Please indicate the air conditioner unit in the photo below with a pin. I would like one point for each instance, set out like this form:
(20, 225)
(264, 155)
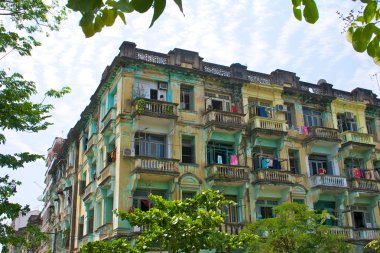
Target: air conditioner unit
(349, 115)
(127, 152)
(281, 108)
(162, 86)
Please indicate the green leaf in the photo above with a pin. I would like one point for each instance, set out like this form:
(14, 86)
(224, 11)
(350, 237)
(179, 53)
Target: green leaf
(367, 33)
(142, 5)
(89, 30)
(159, 7)
(310, 11)
(109, 16)
(179, 4)
(370, 11)
(360, 19)
(349, 34)
(371, 48)
(121, 15)
(297, 13)
(86, 19)
(124, 6)
(296, 3)
(357, 40)
(99, 24)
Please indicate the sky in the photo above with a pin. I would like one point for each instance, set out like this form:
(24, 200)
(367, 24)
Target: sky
(261, 34)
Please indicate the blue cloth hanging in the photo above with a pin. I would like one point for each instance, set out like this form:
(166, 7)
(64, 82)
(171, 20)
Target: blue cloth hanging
(276, 164)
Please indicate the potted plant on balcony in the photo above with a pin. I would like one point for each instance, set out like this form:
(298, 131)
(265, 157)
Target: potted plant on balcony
(140, 106)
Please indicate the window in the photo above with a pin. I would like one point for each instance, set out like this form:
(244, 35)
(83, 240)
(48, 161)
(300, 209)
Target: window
(186, 98)
(150, 145)
(231, 211)
(187, 195)
(361, 217)
(318, 164)
(346, 123)
(330, 207)
(312, 118)
(260, 108)
(90, 221)
(294, 163)
(217, 102)
(370, 126)
(188, 154)
(141, 200)
(220, 153)
(289, 115)
(264, 208)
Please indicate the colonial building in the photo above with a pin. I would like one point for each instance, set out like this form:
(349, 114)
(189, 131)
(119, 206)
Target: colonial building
(173, 124)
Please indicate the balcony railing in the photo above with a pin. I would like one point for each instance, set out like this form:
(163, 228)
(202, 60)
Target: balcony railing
(364, 184)
(367, 234)
(234, 172)
(154, 108)
(106, 173)
(323, 133)
(90, 188)
(91, 142)
(268, 124)
(224, 119)
(268, 175)
(232, 228)
(160, 165)
(108, 119)
(349, 136)
(105, 231)
(328, 180)
(361, 234)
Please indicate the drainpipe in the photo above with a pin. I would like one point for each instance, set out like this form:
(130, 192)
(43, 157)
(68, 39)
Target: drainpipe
(74, 200)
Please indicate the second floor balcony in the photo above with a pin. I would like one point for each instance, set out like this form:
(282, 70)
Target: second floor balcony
(107, 173)
(108, 121)
(328, 181)
(223, 119)
(154, 108)
(153, 165)
(227, 173)
(358, 234)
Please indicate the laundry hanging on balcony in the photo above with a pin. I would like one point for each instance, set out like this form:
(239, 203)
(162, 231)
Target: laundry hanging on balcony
(233, 160)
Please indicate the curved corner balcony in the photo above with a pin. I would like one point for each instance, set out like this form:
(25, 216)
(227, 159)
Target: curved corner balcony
(360, 141)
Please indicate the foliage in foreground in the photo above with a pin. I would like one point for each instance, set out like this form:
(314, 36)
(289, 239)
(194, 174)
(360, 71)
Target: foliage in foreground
(178, 226)
(361, 26)
(295, 229)
(375, 245)
(21, 20)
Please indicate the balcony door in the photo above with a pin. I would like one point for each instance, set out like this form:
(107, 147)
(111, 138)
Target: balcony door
(361, 217)
(150, 145)
(219, 153)
(317, 163)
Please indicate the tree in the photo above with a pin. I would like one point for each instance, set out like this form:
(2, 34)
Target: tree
(294, 229)
(180, 226)
(21, 20)
(361, 26)
(374, 245)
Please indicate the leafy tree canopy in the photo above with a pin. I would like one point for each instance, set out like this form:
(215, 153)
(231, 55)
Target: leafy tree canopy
(362, 28)
(21, 20)
(294, 229)
(179, 226)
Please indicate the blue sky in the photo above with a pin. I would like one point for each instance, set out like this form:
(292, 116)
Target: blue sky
(262, 34)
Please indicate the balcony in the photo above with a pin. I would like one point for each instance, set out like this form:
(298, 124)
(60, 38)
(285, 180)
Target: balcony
(366, 234)
(107, 173)
(346, 233)
(105, 231)
(232, 228)
(367, 185)
(221, 172)
(323, 133)
(274, 176)
(268, 126)
(91, 144)
(89, 190)
(328, 181)
(154, 108)
(152, 165)
(108, 121)
(361, 139)
(222, 119)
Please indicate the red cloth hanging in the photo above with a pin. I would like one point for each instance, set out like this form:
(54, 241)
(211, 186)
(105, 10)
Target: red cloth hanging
(356, 172)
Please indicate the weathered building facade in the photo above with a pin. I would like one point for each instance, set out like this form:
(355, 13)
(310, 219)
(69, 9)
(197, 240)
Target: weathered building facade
(173, 124)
